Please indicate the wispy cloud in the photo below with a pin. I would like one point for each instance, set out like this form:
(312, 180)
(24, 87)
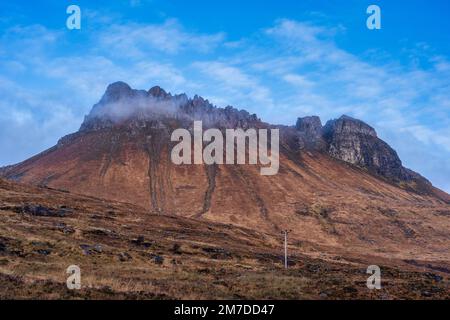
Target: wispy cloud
(136, 40)
(314, 65)
(231, 81)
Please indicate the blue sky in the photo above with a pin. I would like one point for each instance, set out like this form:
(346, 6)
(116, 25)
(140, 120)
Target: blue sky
(279, 59)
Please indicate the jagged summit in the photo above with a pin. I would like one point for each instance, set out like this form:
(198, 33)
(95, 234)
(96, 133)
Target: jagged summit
(116, 91)
(120, 90)
(311, 124)
(159, 92)
(121, 104)
(354, 141)
(348, 125)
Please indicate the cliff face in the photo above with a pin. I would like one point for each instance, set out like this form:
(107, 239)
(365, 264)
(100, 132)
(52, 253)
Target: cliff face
(310, 133)
(355, 142)
(126, 107)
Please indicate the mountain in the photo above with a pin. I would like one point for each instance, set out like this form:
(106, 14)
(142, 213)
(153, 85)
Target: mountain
(336, 185)
(109, 195)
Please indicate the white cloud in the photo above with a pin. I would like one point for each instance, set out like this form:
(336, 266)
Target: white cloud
(349, 81)
(297, 80)
(31, 121)
(136, 40)
(231, 81)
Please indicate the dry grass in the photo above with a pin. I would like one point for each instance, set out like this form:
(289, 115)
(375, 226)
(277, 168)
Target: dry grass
(136, 255)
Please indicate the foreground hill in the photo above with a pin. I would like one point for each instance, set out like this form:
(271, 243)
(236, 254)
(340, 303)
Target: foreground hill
(126, 253)
(338, 185)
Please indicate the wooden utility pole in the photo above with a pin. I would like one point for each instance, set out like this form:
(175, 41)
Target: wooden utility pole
(285, 248)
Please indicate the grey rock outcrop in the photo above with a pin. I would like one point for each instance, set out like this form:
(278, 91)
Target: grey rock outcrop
(122, 105)
(352, 141)
(310, 132)
(356, 142)
(311, 125)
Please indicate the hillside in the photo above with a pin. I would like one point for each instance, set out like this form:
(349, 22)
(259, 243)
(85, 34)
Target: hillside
(126, 253)
(337, 184)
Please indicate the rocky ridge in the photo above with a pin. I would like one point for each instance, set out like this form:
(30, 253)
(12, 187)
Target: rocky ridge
(346, 139)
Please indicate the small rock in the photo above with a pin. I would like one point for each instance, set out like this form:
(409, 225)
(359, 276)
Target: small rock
(101, 232)
(350, 290)
(176, 248)
(88, 249)
(217, 253)
(157, 259)
(124, 256)
(65, 229)
(41, 211)
(44, 252)
(140, 241)
(204, 271)
(426, 294)
(434, 277)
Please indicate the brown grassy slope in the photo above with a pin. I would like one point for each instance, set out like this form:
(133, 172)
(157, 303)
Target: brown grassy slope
(126, 253)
